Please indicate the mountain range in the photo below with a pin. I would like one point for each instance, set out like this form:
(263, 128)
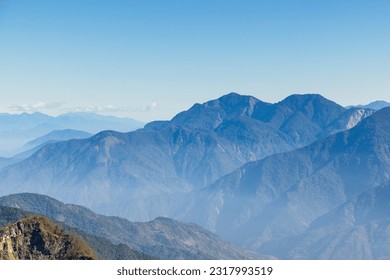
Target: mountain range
(148, 167)
(294, 179)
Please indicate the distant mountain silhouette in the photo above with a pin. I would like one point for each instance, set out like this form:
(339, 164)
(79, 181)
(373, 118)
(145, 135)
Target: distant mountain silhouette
(376, 105)
(57, 135)
(18, 129)
(52, 137)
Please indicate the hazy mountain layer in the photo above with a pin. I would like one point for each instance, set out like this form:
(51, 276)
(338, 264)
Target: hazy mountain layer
(17, 130)
(358, 229)
(8, 161)
(52, 137)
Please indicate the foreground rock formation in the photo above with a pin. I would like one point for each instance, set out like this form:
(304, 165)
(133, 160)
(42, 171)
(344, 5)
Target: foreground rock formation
(37, 238)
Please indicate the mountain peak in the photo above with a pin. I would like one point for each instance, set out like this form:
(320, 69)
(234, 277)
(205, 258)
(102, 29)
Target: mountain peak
(212, 113)
(235, 104)
(299, 99)
(233, 96)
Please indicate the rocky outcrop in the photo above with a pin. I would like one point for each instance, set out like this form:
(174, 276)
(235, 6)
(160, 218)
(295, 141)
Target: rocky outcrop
(37, 238)
(161, 238)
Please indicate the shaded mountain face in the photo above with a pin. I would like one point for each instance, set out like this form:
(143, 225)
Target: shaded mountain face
(358, 229)
(163, 237)
(37, 238)
(280, 196)
(134, 174)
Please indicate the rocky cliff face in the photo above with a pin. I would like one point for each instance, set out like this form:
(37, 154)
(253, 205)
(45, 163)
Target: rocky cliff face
(37, 238)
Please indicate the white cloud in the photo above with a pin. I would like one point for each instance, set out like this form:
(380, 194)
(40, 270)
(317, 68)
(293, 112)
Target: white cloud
(58, 107)
(115, 109)
(151, 107)
(39, 106)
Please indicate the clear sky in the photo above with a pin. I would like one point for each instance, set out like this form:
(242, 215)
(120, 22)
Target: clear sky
(150, 59)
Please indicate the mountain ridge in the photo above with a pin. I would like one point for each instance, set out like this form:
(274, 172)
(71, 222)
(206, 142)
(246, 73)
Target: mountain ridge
(162, 237)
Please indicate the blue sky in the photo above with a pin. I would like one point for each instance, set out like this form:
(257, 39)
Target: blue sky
(150, 59)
